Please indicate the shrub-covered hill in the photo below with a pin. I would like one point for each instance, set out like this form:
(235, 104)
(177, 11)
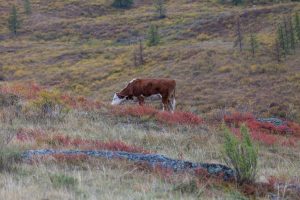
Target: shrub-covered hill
(87, 47)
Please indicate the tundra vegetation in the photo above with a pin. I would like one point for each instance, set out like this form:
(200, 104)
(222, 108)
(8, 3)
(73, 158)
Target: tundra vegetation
(234, 63)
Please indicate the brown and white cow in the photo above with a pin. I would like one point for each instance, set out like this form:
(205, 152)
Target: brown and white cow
(143, 88)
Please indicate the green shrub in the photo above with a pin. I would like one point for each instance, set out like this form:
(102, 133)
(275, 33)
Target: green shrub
(160, 8)
(13, 21)
(27, 7)
(153, 37)
(237, 2)
(49, 104)
(8, 157)
(9, 100)
(122, 3)
(241, 155)
(63, 181)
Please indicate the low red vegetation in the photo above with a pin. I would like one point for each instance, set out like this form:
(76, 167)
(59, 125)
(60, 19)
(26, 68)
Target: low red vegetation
(287, 128)
(79, 102)
(265, 138)
(27, 90)
(179, 118)
(31, 91)
(137, 111)
(183, 118)
(61, 141)
(265, 132)
(237, 118)
(205, 176)
(164, 173)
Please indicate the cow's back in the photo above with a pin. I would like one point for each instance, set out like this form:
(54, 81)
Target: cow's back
(148, 87)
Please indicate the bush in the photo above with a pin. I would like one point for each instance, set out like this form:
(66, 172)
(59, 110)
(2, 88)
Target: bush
(8, 100)
(153, 37)
(27, 7)
(122, 3)
(241, 155)
(160, 8)
(49, 104)
(63, 181)
(8, 156)
(13, 21)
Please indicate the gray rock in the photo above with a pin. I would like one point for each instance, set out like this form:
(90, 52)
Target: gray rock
(151, 159)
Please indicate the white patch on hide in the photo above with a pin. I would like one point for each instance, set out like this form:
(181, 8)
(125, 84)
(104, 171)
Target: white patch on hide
(132, 80)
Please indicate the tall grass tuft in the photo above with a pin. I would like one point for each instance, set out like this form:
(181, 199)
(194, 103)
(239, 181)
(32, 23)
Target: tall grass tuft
(241, 155)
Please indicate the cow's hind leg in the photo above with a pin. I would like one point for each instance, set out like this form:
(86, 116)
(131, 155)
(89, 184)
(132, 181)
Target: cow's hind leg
(173, 103)
(165, 102)
(170, 107)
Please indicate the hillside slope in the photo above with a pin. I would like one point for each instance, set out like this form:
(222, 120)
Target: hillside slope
(87, 48)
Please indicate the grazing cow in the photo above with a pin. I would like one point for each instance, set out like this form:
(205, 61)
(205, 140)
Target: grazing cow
(143, 88)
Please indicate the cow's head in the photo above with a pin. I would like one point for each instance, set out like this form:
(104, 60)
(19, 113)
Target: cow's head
(118, 99)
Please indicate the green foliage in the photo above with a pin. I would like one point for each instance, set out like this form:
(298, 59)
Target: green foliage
(160, 8)
(292, 35)
(153, 36)
(122, 3)
(13, 21)
(237, 2)
(8, 100)
(241, 155)
(27, 7)
(253, 44)
(49, 104)
(297, 25)
(288, 31)
(8, 157)
(281, 40)
(63, 181)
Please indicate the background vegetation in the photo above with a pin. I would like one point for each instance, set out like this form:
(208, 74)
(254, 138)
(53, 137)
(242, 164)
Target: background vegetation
(234, 61)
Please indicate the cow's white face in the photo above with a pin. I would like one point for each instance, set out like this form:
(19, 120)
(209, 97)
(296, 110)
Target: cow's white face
(117, 100)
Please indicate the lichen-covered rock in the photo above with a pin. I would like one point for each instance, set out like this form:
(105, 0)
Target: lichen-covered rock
(272, 120)
(152, 159)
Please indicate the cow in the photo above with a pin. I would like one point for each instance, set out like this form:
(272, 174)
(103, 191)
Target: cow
(143, 88)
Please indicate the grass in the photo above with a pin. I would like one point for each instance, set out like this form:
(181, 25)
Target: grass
(85, 48)
(63, 177)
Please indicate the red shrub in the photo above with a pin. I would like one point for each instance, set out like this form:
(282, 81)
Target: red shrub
(79, 102)
(165, 117)
(290, 142)
(238, 118)
(61, 141)
(137, 111)
(87, 104)
(29, 134)
(27, 90)
(69, 100)
(295, 128)
(264, 138)
(266, 132)
(163, 173)
(202, 173)
(179, 118)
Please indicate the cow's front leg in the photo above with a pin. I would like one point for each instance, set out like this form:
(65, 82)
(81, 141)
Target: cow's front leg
(141, 100)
